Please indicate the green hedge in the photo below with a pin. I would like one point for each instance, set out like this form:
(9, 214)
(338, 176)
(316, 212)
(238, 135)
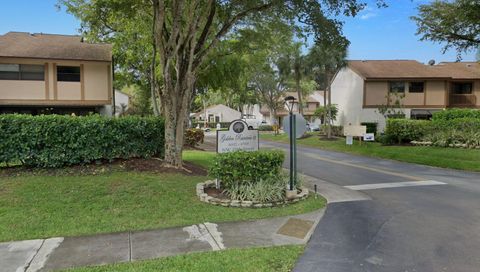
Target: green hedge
(406, 130)
(55, 141)
(239, 167)
(210, 124)
(371, 127)
(456, 114)
(265, 128)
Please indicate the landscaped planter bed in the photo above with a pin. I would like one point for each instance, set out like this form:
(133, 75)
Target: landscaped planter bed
(222, 201)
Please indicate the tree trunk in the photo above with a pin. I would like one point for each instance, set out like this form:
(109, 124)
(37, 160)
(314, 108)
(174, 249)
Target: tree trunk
(176, 119)
(299, 94)
(329, 113)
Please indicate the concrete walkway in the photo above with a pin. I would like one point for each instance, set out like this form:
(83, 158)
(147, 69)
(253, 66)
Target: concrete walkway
(64, 252)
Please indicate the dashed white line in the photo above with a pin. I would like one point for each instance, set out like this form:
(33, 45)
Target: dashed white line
(374, 186)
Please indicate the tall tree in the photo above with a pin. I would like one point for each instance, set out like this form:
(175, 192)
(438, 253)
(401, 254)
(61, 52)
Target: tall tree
(456, 23)
(326, 60)
(185, 31)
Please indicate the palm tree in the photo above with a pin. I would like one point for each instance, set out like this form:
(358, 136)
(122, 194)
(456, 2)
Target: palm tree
(326, 59)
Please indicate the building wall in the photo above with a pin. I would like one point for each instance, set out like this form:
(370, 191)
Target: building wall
(476, 88)
(94, 87)
(347, 94)
(434, 95)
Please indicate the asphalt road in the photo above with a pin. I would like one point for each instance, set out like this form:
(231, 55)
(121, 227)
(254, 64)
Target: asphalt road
(413, 228)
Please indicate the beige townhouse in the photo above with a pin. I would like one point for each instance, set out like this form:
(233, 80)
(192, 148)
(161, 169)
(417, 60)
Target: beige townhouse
(46, 73)
(364, 86)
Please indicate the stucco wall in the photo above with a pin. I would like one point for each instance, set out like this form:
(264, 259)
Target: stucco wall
(96, 81)
(347, 94)
(436, 92)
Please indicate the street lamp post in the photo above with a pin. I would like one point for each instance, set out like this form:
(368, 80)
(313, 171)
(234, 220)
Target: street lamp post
(289, 102)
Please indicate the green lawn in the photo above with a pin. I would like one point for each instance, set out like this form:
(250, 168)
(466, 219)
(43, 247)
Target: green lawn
(37, 206)
(280, 258)
(455, 158)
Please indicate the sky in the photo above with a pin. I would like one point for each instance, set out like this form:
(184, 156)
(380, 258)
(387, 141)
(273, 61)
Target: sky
(386, 33)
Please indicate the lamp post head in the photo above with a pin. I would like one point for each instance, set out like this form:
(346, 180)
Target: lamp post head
(289, 100)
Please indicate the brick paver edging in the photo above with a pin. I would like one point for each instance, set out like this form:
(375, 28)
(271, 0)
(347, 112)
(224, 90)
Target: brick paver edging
(239, 203)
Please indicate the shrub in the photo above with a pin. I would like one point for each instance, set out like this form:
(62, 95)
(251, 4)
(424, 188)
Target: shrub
(193, 137)
(210, 124)
(241, 167)
(54, 140)
(406, 130)
(265, 128)
(336, 130)
(371, 127)
(450, 114)
(268, 190)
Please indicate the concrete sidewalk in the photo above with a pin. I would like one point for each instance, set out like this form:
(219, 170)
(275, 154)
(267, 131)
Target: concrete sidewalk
(64, 252)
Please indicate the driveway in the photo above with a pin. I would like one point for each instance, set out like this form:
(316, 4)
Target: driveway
(420, 218)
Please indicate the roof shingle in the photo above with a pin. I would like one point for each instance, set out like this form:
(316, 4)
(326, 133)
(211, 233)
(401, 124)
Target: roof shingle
(50, 46)
(392, 69)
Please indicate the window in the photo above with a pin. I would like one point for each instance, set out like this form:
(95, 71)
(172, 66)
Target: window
(397, 87)
(68, 73)
(9, 71)
(32, 72)
(22, 72)
(462, 87)
(416, 87)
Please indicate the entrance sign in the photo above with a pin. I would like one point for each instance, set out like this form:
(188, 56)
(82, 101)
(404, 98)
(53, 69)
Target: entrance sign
(369, 137)
(355, 131)
(300, 125)
(237, 137)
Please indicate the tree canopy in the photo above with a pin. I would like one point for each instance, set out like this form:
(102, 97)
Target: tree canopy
(181, 34)
(455, 23)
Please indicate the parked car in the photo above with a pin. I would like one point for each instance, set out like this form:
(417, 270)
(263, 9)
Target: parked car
(252, 122)
(313, 127)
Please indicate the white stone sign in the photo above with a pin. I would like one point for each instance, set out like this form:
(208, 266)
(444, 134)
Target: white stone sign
(369, 137)
(237, 137)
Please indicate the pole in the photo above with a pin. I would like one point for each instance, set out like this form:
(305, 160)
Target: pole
(290, 117)
(294, 136)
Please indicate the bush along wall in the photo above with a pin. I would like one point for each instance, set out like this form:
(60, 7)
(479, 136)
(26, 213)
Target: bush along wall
(55, 141)
(449, 128)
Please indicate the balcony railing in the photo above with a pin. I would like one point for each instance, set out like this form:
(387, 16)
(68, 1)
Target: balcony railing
(463, 100)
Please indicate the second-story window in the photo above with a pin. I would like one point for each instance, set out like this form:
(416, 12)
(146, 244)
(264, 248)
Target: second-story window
(462, 87)
(68, 73)
(416, 87)
(32, 72)
(22, 72)
(397, 87)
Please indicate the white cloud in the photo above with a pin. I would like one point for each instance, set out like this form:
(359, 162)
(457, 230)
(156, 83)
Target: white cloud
(368, 15)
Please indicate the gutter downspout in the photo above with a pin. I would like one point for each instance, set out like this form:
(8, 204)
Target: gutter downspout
(114, 110)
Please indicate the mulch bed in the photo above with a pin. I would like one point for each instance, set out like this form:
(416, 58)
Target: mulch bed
(152, 165)
(217, 193)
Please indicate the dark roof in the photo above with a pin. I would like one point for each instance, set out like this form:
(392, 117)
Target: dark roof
(51, 46)
(391, 69)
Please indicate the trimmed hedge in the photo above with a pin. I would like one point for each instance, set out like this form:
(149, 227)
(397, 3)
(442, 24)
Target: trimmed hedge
(55, 140)
(265, 128)
(406, 130)
(450, 114)
(242, 167)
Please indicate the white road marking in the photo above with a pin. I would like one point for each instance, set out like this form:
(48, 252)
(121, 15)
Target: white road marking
(49, 245)
(374, 186)
(201, 233)
(217, 235)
